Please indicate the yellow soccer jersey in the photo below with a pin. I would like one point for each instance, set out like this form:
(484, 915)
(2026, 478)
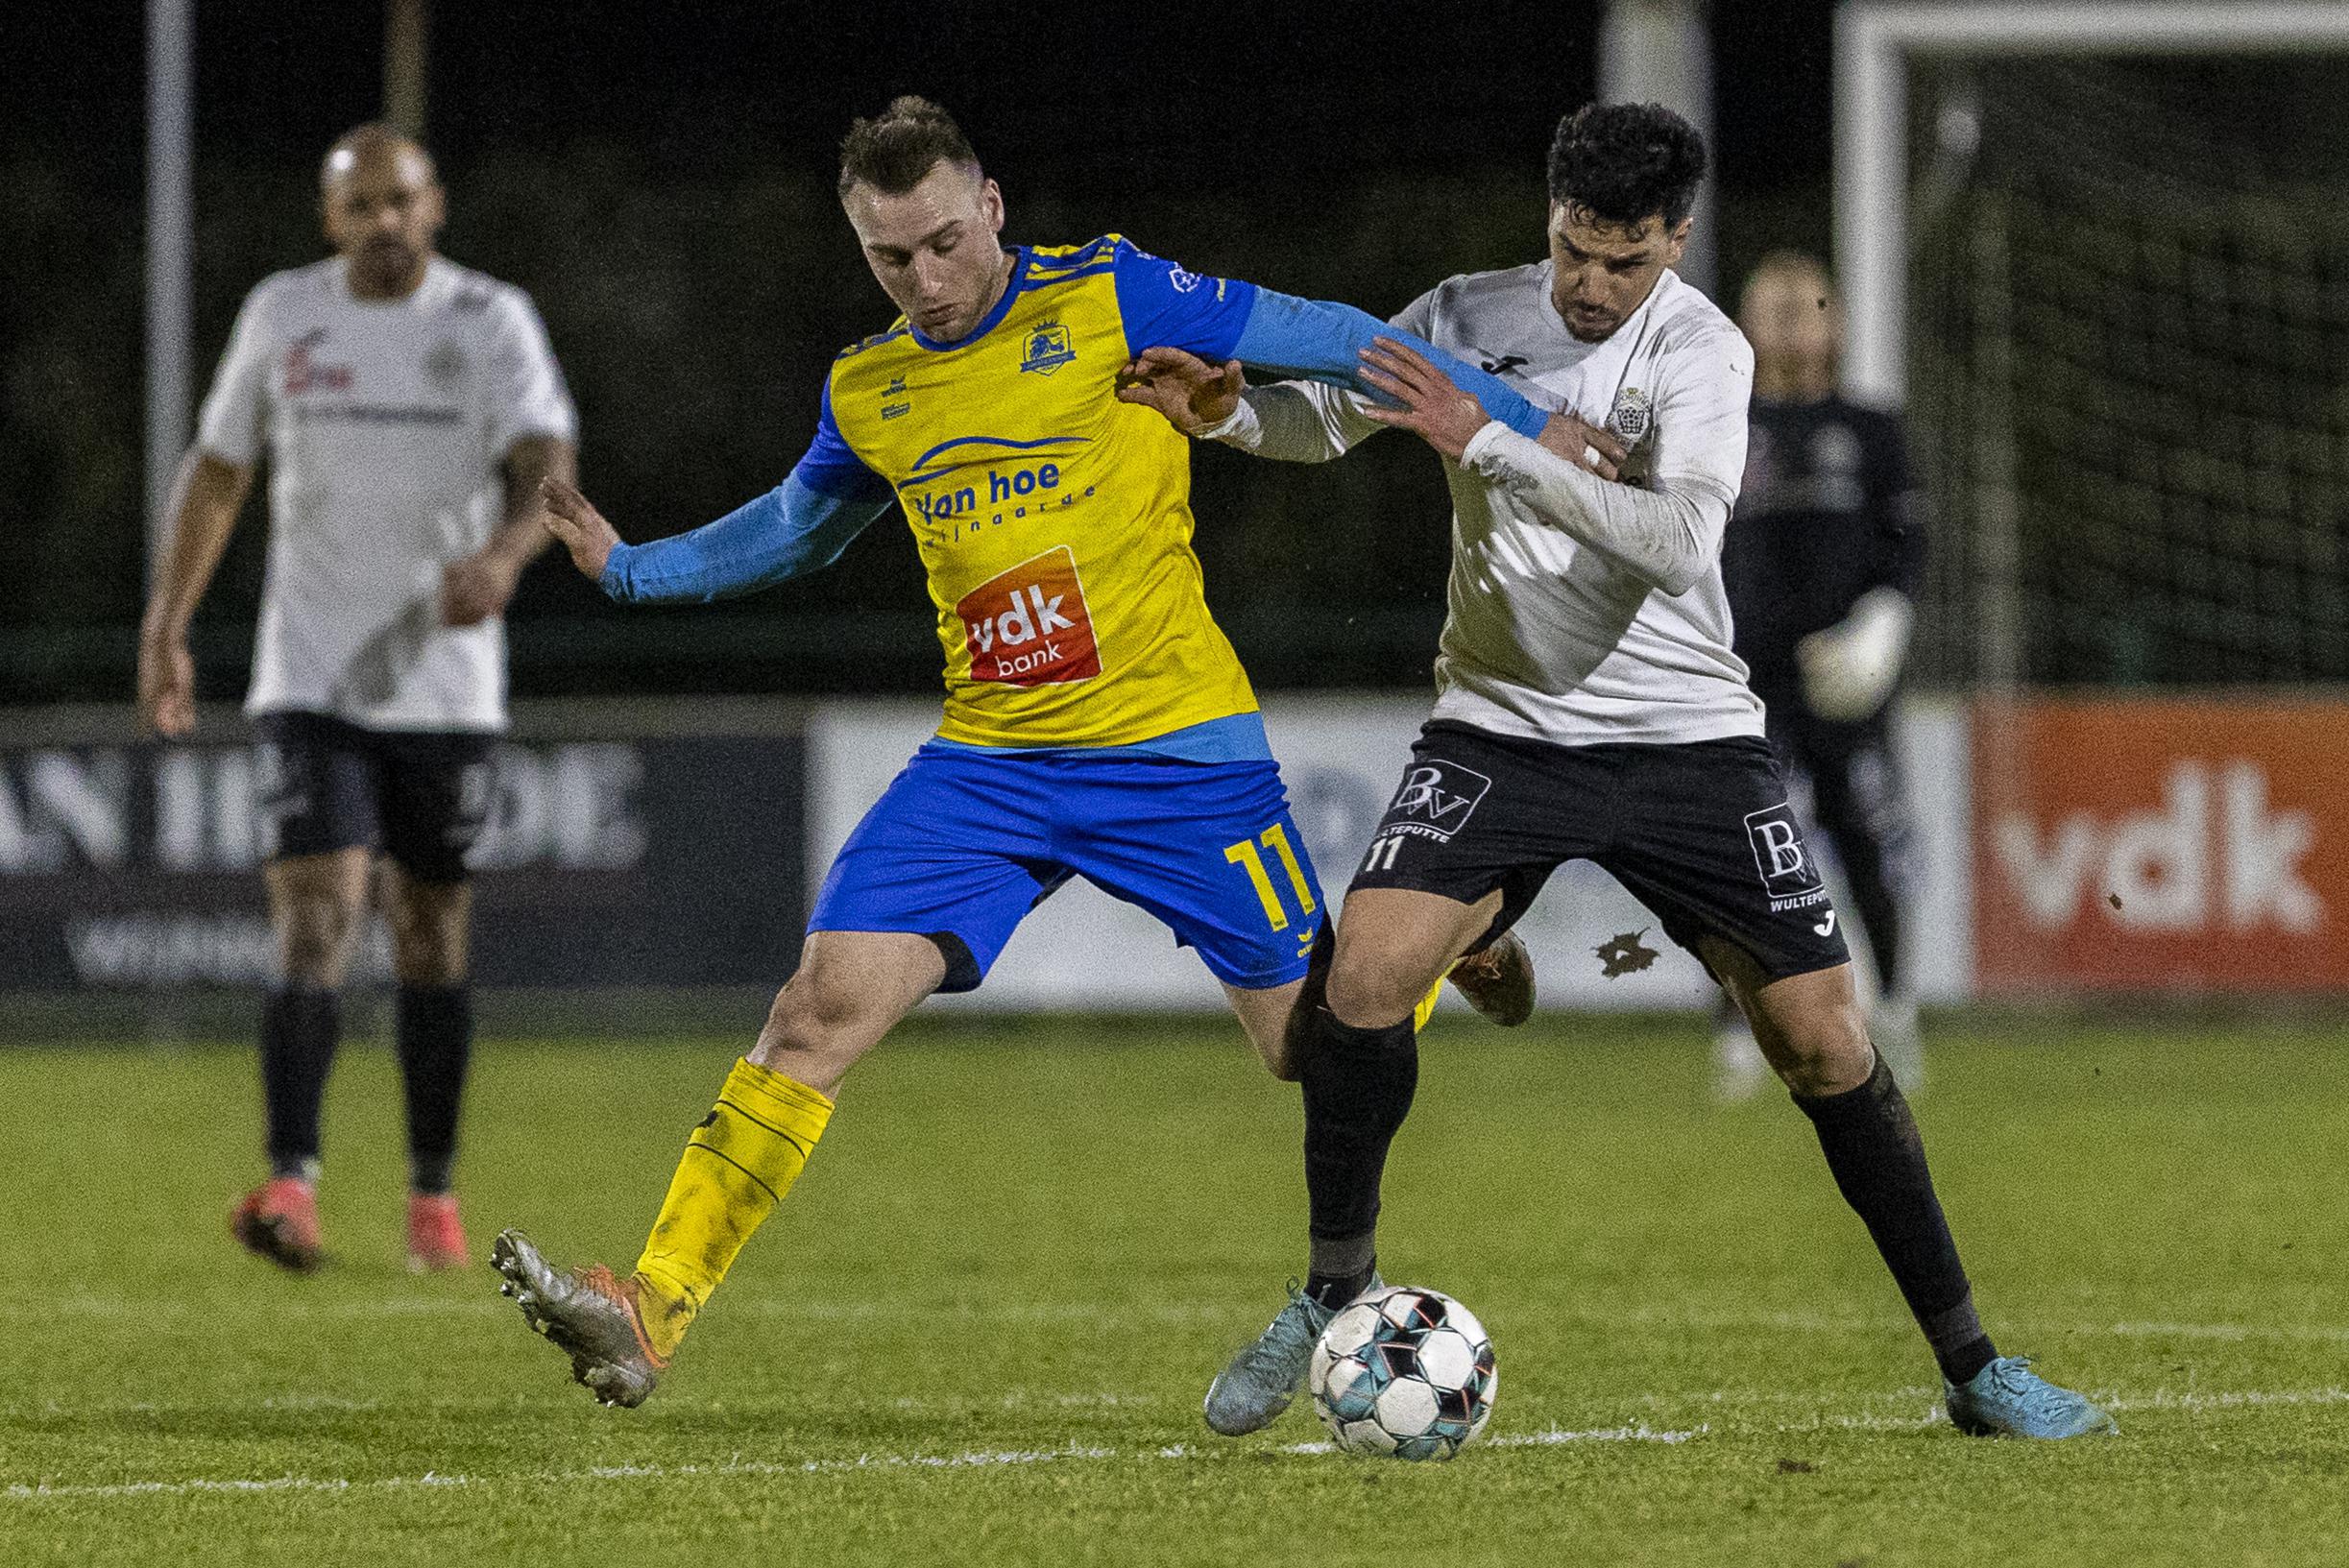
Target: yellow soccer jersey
(1053, 521)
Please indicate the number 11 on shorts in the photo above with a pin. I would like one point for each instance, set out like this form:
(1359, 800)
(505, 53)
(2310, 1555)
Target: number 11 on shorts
(1245, 855)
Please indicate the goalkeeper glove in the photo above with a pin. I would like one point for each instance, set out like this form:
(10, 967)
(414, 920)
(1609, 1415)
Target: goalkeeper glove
(1848, 669)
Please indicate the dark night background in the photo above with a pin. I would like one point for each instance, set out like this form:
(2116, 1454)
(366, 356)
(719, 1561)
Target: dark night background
(658, 178)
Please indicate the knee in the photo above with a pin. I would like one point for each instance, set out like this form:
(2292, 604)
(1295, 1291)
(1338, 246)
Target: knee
(1825, 1053)
(1369, 995)
(314, 939)
(812, 1016)
(427, 950)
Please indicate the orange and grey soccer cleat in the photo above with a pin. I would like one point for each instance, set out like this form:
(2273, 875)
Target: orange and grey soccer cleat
(436, 1237)
(1498, 981)
(279, 1219)
(587, 1311)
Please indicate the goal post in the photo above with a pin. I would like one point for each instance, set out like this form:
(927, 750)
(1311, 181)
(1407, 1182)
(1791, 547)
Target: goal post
(1878, 40)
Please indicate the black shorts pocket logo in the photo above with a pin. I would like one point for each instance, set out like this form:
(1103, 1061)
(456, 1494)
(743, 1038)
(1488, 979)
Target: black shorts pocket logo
(1787, 868)
(1439, 795)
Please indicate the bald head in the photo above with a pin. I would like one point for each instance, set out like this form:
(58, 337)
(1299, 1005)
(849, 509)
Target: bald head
(383, 209)
(1791, 316)
(374, 145)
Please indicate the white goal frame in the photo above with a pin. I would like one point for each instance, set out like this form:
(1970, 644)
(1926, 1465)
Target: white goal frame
(1875, 42)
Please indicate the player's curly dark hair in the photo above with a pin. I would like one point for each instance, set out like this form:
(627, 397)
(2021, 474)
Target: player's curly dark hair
(896, 148)
(1628, 162)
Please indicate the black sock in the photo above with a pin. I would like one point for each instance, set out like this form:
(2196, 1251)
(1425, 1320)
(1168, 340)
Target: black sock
(436, 1043)
(1874, 1148)
(300, 1028)
(1358, 1088)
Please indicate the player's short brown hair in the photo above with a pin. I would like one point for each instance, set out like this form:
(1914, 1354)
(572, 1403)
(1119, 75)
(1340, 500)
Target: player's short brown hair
(895, 150)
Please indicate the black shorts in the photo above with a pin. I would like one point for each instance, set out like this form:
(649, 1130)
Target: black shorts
(1699, 832)
(324, 785)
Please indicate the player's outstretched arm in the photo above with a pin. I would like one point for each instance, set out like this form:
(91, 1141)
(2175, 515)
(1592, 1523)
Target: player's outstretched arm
(789, 532)
(1219, 319)
(1666, 537)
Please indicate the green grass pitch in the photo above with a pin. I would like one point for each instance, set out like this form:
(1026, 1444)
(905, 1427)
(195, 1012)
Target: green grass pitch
(979, 1331)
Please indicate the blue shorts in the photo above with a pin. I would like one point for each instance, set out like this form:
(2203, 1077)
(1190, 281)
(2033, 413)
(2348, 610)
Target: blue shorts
(962, 844)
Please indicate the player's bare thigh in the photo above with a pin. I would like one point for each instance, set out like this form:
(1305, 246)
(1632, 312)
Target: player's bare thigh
(850, 989)
(1393, 945)
(1808, 1026)
(315, 902)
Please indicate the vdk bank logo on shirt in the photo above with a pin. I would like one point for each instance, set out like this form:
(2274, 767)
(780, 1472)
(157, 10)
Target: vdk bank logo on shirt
(1029, 626)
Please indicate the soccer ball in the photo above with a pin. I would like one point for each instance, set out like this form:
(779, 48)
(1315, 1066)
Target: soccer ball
(1403, 1372)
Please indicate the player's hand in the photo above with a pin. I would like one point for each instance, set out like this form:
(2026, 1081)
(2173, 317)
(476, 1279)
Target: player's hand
(1586, 445)
(1192, 395)
(1442, 415)
(578, 527)
(477, 587)
(166, 684)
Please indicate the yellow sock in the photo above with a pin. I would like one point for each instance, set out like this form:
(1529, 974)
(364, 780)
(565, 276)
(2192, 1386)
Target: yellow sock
(1426, 1009)
(736, 1168)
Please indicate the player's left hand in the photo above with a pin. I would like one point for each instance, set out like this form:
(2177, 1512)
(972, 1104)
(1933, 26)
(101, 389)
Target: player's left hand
(578, 527)
(477, 587)
(1442, 415)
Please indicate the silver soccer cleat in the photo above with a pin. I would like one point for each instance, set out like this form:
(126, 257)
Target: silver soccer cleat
(588, 1313)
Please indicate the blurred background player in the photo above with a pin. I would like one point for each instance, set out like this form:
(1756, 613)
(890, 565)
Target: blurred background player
(1098, 724)
(409, 407)
(1822, 564)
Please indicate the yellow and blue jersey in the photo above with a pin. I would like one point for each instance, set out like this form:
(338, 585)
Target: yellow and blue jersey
(1053, 521)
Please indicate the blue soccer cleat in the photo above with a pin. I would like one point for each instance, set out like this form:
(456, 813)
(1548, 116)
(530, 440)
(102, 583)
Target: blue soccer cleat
(2008, 1399)
(1250, 1395)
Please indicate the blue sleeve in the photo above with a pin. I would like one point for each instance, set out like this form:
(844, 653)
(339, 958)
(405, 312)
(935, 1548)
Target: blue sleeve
(800, 526)
(791, 530)
(1223, 318)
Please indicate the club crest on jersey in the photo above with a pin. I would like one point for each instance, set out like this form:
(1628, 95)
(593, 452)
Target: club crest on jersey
(1046, 349)
(1632, 416)
(1029, 626)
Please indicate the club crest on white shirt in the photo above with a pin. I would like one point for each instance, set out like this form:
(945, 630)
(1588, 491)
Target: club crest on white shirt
(1631, 416)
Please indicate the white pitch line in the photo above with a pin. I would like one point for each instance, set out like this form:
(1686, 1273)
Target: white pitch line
(2162, 1399)
(976, 1458)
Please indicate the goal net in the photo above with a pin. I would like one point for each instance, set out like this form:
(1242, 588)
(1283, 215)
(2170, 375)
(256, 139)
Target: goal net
(2127, 354)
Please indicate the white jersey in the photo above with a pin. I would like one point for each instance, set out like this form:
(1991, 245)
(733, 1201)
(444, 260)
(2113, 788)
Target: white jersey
(1546, 638)
(387, 424)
